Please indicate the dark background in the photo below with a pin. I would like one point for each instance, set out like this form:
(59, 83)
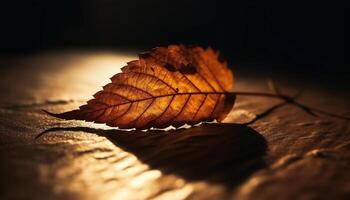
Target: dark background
(307, 37)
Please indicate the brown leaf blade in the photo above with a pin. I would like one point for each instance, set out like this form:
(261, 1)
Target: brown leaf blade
(170, 85)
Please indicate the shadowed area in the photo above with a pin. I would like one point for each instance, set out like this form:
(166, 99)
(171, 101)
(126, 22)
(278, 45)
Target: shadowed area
(218, 152)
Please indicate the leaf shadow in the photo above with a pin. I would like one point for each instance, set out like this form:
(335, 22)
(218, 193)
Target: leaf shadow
(221, 153)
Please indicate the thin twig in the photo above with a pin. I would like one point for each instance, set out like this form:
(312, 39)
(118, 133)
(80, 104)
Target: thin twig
(307, 109)
(270, 110)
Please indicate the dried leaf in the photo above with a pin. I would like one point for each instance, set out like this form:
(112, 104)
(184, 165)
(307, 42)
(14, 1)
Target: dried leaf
(170, 85)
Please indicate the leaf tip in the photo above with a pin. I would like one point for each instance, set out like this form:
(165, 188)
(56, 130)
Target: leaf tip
(49, 113)
(65, 115)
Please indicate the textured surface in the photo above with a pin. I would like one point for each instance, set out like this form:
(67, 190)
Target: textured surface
(285, 155)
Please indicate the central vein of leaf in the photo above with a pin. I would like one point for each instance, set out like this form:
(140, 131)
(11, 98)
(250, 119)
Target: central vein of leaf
(173, 94)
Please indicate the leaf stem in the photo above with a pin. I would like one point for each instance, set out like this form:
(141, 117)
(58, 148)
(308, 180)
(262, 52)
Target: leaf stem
(262, 94)
(288, 99)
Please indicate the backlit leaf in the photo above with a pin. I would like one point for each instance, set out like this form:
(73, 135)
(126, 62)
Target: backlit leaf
(170, 85)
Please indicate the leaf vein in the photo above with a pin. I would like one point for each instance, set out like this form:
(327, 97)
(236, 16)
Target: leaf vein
(199, 107)
(153, 76)
(131, 86)
(137, 118)
(211, 72)
(182, 109)
(216, 104)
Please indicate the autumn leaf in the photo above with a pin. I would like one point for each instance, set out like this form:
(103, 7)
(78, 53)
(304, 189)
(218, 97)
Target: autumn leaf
(170, 85)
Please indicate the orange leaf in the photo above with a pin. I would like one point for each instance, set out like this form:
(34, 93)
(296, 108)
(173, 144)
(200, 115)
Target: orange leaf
(170, 85)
